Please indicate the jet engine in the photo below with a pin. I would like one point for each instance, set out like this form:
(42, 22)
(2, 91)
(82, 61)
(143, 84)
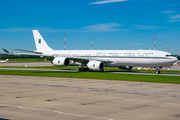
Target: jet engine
(61, 61)
(95, 65)
(126, 67)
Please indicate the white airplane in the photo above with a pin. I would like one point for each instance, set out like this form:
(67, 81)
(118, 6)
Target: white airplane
(98, 59)
(1, 61)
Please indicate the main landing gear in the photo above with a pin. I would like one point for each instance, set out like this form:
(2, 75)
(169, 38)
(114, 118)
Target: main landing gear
(82, 69)
(87, 70)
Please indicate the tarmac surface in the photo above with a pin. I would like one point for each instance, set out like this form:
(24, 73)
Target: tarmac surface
(45, 98)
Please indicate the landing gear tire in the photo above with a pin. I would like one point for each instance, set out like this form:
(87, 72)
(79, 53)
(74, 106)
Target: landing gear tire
(85, 69)
(157, 72)
(82, 69)
(79, 69)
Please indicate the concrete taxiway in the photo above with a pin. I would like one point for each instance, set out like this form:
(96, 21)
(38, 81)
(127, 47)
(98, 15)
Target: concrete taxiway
(23, 97)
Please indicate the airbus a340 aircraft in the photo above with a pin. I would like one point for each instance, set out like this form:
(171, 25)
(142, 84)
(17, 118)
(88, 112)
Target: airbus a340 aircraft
(98, 59)
(3, 61)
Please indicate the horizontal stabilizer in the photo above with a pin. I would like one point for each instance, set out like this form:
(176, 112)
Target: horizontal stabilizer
(29, 51)
(5, 50)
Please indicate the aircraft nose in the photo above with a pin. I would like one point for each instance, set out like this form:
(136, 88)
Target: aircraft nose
(175, 59)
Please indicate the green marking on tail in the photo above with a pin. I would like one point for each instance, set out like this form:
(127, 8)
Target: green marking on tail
(39, 41)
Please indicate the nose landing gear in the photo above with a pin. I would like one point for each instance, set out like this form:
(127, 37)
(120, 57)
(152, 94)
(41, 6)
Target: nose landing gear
(157, 70)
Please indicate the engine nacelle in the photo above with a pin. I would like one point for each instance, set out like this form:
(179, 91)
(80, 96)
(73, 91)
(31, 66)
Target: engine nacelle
(126, 67)
(61, 61)
(95, 65)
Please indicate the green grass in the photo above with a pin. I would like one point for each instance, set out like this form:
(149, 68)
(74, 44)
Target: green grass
(96, 75)
(105, 69)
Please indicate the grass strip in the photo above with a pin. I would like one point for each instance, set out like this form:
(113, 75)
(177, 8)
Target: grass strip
(105, 69)
(96, 75)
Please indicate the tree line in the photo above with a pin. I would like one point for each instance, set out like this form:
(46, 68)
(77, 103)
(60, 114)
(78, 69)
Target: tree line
(8, 56)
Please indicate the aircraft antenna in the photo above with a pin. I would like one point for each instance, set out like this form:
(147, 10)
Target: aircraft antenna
(154, 43)
(65, 41)
(121, 46)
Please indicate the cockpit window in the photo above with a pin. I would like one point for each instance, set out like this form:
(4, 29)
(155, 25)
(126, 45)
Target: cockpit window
(169, 55)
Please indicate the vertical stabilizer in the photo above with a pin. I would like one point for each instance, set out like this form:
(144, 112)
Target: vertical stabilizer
(41, 45)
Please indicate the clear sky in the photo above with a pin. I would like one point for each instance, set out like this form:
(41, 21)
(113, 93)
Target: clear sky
(134, 23)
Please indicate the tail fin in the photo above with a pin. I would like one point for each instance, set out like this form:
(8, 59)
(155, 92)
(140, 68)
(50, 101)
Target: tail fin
(7, 60)
(41, 45)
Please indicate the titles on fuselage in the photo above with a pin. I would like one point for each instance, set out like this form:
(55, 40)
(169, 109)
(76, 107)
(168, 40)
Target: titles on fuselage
(126, 53)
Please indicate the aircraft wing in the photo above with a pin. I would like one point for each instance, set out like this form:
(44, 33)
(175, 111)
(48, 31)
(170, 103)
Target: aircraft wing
(85, 59)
